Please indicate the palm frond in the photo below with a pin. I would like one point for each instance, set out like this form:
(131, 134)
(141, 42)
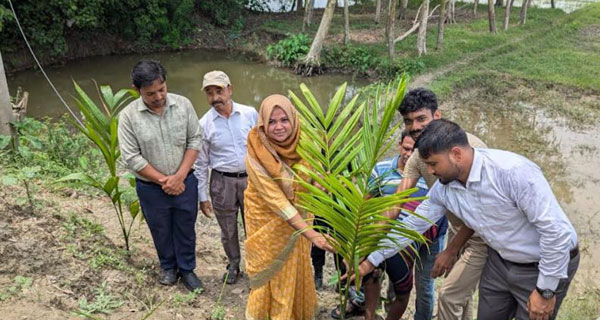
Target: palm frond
(341, 153)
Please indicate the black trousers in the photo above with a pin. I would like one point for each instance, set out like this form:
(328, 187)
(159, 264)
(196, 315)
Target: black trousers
(172, 221)
(318, 255)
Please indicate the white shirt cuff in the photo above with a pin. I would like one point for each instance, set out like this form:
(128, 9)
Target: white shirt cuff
(376, 258)
(546, 282)
(202, 196)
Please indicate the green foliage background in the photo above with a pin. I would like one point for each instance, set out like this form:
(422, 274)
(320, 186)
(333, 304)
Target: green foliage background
(149, 24)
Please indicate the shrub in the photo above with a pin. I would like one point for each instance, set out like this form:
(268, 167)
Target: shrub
(350, 56)
(290, 49)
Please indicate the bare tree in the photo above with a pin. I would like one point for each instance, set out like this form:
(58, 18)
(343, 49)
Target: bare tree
(5, 105)
(416, 23)
(311, 64)
(526, 4)
(377, 11)
(403, 7)
(308, 12)
(389, 28)
(451, 12)
(492, 16)
(346, 23)
(475, 5)
(507, 15)
(441, 22)
(422, 35)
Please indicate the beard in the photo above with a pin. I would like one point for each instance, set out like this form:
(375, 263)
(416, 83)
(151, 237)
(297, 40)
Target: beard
(415, 134)
(450, 177)
(445, 181)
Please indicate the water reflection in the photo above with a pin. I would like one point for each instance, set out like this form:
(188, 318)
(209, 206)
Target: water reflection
(251, 81)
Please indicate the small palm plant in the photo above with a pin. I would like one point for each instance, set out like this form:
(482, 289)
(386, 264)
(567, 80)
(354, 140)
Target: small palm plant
(101, 128)
(341, 146)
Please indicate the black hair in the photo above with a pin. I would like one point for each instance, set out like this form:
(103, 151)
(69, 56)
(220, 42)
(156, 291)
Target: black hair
(146, 71)
(404, 134)
(417, 99)
(439, 136)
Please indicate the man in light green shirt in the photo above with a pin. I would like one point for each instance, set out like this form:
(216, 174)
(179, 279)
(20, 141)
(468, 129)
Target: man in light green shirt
(159, 138)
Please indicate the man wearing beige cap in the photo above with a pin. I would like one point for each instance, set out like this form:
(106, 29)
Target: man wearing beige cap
(226, 126)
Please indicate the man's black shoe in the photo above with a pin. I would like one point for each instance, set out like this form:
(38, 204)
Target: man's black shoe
(168, 277)
(191, 281)
(231, 276)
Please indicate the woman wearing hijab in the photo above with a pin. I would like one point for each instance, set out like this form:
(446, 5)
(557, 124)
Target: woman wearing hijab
(277, 259)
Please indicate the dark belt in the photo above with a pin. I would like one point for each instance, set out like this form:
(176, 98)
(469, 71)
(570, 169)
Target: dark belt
(242, 174)
(572, 254)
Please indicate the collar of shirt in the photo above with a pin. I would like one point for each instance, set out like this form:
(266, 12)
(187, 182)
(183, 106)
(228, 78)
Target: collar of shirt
(395, 160)
(234, 110)
(474, 174)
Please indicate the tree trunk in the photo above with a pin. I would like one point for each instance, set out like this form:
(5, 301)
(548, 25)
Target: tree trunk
(308, 14)
(451, 11)
(389, 29)
(475, 4)
(311, 64)
(507, 16)
(6, 113)
(499, 3)
(552, 4)
(403, 8)
(299, 6)
(346, 23)
(492, 16)
(441, 22)
(377, 11)
(524, 11)
(422, 36)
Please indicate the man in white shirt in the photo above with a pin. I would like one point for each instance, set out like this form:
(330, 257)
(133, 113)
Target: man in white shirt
(503, 197)
(226, 126)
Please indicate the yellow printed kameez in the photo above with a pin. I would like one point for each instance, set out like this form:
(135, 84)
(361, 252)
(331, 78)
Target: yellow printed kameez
(277, 260)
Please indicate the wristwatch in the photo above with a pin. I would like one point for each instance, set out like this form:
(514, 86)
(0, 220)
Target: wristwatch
(545, 293)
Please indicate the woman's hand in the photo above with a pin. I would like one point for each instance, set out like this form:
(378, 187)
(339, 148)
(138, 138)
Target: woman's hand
(321, 242)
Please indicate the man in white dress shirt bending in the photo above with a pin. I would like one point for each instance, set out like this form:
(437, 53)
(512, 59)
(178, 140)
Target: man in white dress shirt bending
(504, 198)
(226, 126)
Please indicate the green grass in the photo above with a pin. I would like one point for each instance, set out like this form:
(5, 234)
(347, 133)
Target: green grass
(552, 48)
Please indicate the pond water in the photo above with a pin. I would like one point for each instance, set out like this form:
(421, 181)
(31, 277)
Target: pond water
(251, 81)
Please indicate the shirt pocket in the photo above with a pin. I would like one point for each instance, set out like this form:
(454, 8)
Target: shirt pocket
(180, 136)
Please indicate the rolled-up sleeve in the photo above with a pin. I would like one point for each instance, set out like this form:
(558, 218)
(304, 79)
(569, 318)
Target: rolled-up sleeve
(194, 131)
(429, 209)
(129, 145)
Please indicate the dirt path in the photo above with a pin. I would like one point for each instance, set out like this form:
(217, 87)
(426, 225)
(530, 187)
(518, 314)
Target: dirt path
(426, 79)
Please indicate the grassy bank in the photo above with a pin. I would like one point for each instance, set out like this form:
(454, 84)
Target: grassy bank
(551, 48)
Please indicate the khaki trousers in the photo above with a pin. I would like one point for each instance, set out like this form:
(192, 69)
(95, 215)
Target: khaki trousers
(227, 195)
(455, 301)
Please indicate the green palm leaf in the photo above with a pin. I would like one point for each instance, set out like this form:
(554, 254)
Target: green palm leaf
(341, 153)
